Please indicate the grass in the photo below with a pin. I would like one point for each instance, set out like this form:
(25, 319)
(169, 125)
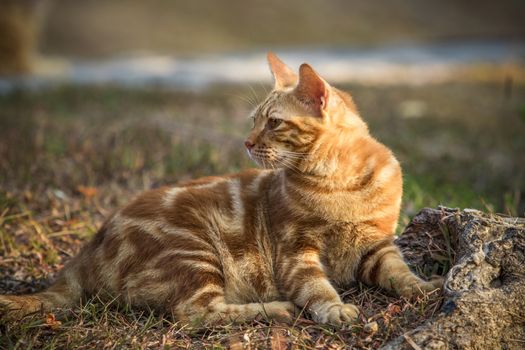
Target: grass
(98, 325)
(71, 155)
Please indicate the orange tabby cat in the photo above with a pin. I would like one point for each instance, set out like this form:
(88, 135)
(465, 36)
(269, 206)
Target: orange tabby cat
(260, 242)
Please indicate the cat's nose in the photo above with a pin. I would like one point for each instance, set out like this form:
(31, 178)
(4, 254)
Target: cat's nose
(248, 144)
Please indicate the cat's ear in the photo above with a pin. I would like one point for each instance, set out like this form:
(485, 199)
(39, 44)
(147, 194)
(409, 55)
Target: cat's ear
(284, 76)
(313, 90)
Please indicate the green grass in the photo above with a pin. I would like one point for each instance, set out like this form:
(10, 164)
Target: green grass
(70, 156)
(464, 150)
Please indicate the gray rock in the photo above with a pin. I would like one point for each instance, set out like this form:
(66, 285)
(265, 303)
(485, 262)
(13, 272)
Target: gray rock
(484, 306)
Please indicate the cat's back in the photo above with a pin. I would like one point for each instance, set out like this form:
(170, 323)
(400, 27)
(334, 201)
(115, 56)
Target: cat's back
(189, 201)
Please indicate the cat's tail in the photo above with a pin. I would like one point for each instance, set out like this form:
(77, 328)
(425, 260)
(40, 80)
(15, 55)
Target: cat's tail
(63, 292)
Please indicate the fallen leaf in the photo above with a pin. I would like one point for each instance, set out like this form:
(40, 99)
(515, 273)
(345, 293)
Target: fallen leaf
(278, 340)
(88, 192)
(52, 322)
(393, 309)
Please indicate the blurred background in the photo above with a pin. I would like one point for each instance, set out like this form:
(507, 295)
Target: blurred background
(102, 98)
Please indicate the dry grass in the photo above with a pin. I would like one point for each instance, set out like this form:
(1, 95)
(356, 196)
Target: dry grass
(70, 156)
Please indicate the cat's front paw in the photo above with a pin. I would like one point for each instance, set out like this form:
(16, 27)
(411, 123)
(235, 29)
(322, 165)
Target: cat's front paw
(336, 314)
(421, 288)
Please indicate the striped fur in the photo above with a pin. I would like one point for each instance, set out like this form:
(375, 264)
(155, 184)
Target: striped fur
(261, 242)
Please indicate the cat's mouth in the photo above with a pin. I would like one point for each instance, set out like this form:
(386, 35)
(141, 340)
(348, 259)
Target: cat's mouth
(264, 159)
(272, 159)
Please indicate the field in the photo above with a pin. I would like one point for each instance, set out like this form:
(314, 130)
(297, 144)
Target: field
(69, 156)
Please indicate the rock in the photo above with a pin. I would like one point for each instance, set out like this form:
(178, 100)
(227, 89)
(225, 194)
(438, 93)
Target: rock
(484, 290)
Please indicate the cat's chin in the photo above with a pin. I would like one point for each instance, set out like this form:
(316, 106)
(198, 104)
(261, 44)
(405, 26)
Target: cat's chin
(264, 164)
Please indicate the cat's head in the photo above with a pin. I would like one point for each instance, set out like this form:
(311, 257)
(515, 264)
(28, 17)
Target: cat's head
(299, 119)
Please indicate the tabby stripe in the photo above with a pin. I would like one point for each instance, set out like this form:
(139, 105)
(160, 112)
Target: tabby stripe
(201, 266)
(365, 181)
(195, 254)
(369, 254)
(289, 140)
(234, 187)
(208, 292)
(387, 171)
(294, 125)
(385, 223)
(291, 266)
(305, 185)
(303, 274)
(207, 298)
(302, 131)
(374, 271)
(169, 196)
(174, 258)
(295, 195)
(180, 237)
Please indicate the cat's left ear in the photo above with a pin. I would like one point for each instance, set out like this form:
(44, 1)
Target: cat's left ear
(283, 75)
(314, 91)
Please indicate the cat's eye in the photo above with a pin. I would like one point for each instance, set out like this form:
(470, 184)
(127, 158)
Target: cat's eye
(273, 123)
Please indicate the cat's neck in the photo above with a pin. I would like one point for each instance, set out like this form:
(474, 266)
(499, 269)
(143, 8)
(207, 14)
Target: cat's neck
(342, 172)
(340, 157)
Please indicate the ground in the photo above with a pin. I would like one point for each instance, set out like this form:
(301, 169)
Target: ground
(69, 156)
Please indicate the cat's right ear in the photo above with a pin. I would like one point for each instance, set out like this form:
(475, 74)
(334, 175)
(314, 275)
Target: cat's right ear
(284, 77)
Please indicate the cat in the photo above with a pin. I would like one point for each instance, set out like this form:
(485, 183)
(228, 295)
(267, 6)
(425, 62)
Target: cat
(320, 214)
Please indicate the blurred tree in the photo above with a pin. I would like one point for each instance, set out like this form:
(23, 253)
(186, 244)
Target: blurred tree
(19, 27)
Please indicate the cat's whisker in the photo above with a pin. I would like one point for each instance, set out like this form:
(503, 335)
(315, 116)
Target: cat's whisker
(264, 88)
(297, 157)
(291, 156)
(252, 103)
(254, 93)
(292, 153)
(288, 151)
(287, 164)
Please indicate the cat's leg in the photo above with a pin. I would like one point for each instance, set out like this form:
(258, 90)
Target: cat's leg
(199, 297)
(304, 281)
(383, 265)
(208, 305)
